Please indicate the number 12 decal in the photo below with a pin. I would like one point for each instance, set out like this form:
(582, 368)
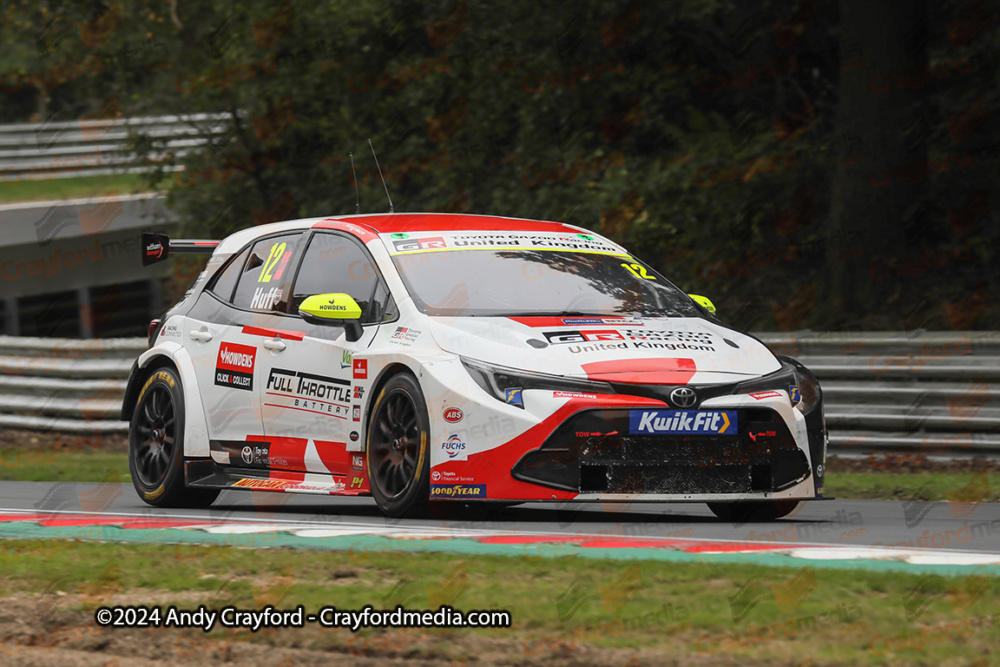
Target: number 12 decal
(272, 258)
(639, 271)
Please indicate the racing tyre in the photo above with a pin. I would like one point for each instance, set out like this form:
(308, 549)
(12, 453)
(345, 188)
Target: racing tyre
(398, 451)
(753, 511)
(156, 445)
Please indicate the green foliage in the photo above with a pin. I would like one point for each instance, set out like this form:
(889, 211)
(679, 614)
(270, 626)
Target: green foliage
(700, 134)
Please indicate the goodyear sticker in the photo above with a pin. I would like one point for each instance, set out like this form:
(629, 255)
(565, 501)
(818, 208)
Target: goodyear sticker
(680, 422)
(458, 490)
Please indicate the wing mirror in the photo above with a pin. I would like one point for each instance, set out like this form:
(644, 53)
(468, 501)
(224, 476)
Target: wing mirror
(704, 302)
(333, 309)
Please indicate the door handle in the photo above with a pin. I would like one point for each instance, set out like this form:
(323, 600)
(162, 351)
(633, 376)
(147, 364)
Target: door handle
(274, 344)
(200, 336)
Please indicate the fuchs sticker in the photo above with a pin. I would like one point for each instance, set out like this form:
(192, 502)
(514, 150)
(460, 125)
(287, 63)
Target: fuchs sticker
(761, 395)
(453, 415)
(455, 448)
(234, 366)
(571, 394)
(458, 490)
(682, 422)
(360, 369)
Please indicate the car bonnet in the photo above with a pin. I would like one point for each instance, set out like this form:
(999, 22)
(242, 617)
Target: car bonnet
(676, 350)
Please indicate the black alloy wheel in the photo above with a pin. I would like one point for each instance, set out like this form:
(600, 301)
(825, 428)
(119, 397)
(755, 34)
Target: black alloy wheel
(156, 445)
(398, 451)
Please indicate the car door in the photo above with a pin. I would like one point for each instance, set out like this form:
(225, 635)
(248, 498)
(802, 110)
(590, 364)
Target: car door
(314, 388)
(223, 337)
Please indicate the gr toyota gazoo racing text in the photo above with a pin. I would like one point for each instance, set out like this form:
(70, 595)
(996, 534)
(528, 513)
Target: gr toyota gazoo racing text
(420, 358)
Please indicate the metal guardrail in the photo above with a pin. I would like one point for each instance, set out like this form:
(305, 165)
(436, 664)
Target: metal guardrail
(65, 385)
(74, 148)
(923, 392)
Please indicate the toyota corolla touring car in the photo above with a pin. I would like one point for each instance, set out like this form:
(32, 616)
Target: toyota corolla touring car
(419, 358)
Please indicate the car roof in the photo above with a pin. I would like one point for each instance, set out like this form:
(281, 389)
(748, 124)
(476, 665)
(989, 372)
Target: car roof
(387, 223)
(390, 223)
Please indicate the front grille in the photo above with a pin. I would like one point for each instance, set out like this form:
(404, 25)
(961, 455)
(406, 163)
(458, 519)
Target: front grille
(593, 452)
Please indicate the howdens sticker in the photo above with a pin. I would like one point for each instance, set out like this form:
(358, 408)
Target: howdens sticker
(234, 366)
(721, 422)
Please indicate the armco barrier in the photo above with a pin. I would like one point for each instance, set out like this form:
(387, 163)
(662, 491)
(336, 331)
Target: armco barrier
(925, 392)
(67, 385)
(922, 391)
(74, 148)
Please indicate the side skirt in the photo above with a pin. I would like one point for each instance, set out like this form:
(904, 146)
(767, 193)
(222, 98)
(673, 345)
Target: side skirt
(205, 473)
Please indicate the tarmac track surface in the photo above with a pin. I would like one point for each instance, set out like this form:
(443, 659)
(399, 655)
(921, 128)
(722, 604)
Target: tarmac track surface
(855, 523)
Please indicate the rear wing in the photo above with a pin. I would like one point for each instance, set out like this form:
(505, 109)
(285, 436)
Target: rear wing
(158, 247)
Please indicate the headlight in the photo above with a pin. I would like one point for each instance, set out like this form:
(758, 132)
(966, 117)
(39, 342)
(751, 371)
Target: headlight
(809, 391)
(794, 378)
(506, 384)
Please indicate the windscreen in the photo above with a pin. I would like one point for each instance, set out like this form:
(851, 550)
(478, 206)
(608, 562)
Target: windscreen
(492, 282)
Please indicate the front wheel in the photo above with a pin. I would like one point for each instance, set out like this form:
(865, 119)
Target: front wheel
(398, 451)
(753, 511)
(156, 445)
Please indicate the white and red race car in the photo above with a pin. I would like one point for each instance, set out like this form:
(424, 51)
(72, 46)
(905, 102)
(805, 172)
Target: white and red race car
(436, 357)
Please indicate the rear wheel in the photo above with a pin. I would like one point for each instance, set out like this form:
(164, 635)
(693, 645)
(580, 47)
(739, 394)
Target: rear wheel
(156, 445)
(753, 511)
(398, 449)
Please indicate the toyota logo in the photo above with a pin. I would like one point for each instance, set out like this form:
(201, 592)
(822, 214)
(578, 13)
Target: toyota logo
(247, 455)
(683, 397)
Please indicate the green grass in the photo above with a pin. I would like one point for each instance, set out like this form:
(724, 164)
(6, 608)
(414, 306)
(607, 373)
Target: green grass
(55, 465)
(690, 611)
(70, 188)
(956, 486)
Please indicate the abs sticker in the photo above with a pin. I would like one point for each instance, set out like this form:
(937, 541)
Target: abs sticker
(682, 422)
(458, 490)
(234, 366)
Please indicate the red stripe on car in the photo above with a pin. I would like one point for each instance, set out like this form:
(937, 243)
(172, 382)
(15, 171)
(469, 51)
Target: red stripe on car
(642, 371)
(271, 333)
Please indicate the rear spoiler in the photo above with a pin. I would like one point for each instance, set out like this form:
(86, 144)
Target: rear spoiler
(158, 247)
